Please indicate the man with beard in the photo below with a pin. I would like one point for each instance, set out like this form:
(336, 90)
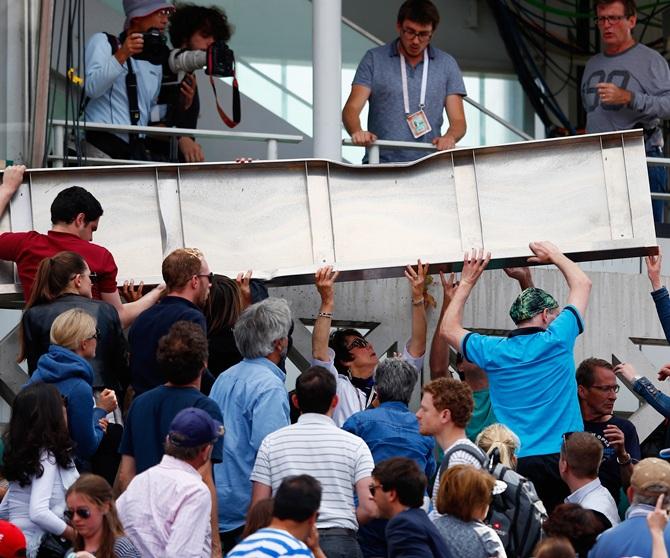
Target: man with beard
(188, 280)
(408, 84)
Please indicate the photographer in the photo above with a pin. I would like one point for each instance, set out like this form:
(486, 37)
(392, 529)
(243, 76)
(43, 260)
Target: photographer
(192, 28)
(120, 87)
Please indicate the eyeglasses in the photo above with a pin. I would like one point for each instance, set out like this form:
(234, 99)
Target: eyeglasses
(96, 335)
(358, 343)
(606, 389)
(93, 276)
(611, 19)
(373, 487)
(209, 276)
(421, 35)
(167, 12)
(83, 513)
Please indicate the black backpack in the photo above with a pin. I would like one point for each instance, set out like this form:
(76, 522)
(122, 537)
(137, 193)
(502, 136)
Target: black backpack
(516, 514)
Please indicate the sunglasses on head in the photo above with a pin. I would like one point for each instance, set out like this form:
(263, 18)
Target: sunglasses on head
(83, 513)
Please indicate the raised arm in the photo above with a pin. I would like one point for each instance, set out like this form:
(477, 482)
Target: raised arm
(12, 177)
(452, 329)
(522, 275)
(129, 311)
(659, 293)
(324, 280)
(578, 282)
(417, 280)
(439, 349)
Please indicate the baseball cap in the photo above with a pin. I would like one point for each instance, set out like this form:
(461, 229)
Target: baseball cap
(194, 427)
(530, 303)
(649, 472)
(141, 8)
(12, 540)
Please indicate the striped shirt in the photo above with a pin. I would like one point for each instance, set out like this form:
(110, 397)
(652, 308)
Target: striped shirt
(268, 543)
(315, 446)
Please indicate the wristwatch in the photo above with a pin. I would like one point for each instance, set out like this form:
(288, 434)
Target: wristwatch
(625, 461)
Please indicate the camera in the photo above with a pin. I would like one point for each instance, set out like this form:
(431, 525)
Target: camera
(155, 47)
(219, 60)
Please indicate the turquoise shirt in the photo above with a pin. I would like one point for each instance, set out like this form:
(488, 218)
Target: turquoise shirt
(532, 381)
(482, 415)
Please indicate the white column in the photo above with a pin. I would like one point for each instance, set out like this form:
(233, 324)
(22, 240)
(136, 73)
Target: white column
(327, 55)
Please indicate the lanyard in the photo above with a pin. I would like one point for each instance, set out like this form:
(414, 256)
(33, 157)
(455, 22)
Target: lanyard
(424, 81)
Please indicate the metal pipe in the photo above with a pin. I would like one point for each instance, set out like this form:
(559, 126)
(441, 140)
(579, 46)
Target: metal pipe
(59, 145)
(327, 81)
(272, 149)
(499, 119)
(159, 131)
(43, 75)
(373, 154)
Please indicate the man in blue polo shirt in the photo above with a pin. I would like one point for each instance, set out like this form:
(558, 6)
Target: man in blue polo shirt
(187, 280)
(407, 83)
(531, 371)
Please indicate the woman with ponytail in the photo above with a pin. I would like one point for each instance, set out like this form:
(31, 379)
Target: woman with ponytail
(63, 282)
(499, 442)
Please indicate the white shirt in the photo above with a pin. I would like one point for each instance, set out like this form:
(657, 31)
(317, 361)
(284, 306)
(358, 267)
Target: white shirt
(316, 447)
(594, 496)
(351, 399)
(457, 458)
(165, 511)
(37, 508)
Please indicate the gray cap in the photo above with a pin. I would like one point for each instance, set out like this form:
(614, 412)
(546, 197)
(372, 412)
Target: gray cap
(141, 8)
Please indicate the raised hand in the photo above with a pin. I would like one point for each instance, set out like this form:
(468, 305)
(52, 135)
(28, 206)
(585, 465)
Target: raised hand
(243, 281)
(324, 279)
(474, 264)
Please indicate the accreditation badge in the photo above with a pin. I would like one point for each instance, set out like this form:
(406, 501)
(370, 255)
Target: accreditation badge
(418, 124)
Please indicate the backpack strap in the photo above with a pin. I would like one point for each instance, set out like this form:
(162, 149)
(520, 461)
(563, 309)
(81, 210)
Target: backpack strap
(478, 454)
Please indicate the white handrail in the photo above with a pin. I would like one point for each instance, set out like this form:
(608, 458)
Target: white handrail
(272, 140)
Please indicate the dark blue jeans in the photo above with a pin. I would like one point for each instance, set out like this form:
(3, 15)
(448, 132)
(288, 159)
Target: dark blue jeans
(339, 543)
(658, 181)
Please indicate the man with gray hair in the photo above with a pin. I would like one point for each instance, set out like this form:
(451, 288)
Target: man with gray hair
(391, 430)
(254, 403)
(649, 487)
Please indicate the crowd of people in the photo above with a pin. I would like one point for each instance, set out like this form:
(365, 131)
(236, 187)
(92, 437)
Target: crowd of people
(160, 425)
(137, 443)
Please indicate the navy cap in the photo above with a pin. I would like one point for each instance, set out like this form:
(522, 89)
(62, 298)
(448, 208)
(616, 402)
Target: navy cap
(194, 427)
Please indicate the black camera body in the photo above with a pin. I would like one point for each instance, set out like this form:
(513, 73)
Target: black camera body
(155, 49)
(220, 60)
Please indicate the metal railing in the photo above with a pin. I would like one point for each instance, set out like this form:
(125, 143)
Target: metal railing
(659, 162)
(59, 126)
(373, 150)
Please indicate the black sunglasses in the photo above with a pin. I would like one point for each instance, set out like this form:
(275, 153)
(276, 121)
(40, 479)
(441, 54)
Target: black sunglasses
(358, 343)
(373, 488)
(83, 513)
(209, 276)
(96, 335)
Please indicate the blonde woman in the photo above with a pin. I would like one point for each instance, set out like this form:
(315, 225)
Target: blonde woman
(499, 440)
(74, 339)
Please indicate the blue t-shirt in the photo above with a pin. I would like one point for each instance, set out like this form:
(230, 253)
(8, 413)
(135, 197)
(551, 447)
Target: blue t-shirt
(532, 380)
(146, 331)
(379, 71)
(149, 419)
